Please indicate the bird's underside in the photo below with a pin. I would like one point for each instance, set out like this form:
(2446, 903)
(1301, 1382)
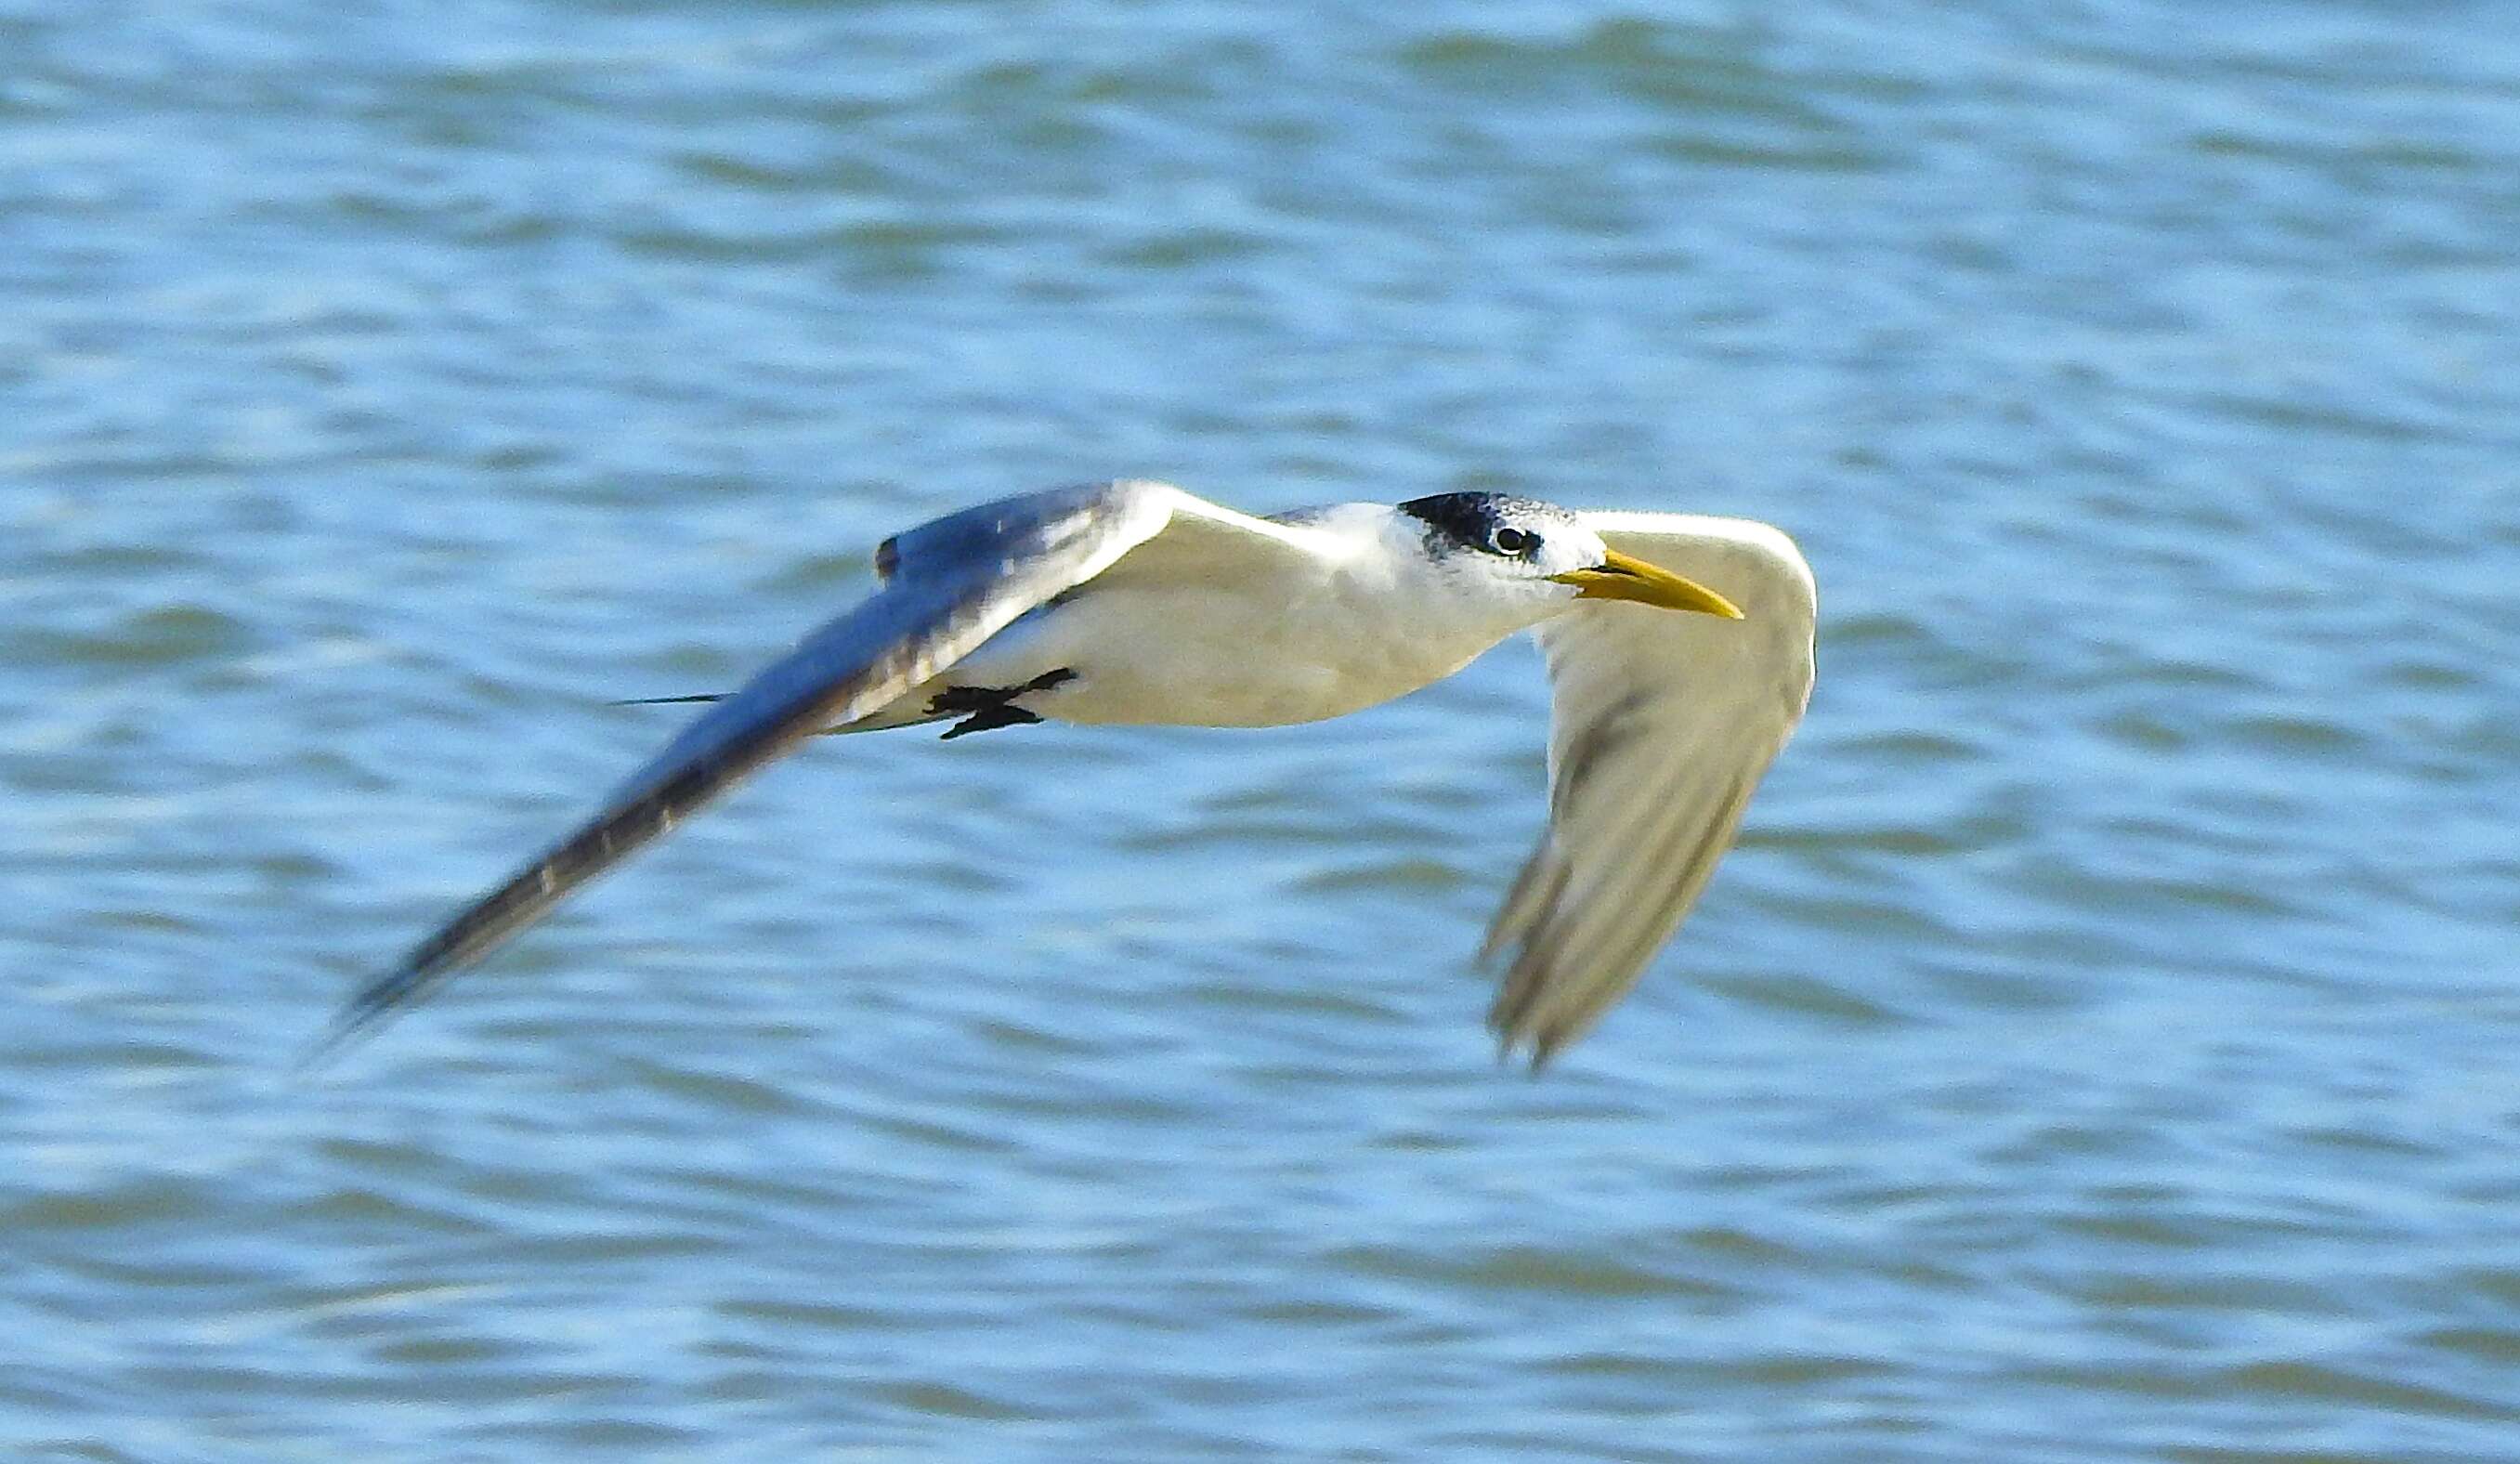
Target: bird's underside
(1132, 600)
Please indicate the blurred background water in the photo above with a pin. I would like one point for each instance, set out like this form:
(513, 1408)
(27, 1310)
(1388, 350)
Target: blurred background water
(2099, 1047)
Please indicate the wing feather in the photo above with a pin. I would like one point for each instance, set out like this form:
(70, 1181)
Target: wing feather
(1662, 726)
(949, 586)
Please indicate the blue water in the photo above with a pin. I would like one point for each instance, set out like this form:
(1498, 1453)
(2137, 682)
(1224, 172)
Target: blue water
(2099, 1048)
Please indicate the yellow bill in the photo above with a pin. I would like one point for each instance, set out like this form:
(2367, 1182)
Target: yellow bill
(1621, 578)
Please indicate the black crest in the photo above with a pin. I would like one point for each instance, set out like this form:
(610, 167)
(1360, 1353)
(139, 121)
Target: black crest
(1470, 520)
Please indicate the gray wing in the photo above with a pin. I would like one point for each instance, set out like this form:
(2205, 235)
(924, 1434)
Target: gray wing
(949, 586)
(1662, 726)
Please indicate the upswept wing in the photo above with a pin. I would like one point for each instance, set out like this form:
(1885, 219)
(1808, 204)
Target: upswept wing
(1207, 543)
(949, 586)
(1662, 726)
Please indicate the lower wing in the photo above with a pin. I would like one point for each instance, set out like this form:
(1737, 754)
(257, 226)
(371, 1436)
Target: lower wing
(951, 585)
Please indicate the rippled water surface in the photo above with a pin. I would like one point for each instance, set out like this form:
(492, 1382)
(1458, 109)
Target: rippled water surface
(2100, 1047)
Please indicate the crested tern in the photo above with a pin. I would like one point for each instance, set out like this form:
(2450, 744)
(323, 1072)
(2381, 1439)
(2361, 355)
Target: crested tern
(1678, 649)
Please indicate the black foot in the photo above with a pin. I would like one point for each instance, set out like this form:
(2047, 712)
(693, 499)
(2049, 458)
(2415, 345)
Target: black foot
(992, 706)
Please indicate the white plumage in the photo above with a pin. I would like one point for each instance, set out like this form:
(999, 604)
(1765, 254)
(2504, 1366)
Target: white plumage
(1135, 601)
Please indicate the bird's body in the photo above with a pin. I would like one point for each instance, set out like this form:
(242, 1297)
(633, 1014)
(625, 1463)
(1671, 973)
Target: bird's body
(1345, 618)
(1133, 602)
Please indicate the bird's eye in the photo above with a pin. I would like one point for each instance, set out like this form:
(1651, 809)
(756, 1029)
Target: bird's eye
(1514, 540)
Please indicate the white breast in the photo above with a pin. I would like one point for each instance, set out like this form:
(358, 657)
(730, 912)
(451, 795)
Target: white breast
(1282, 643)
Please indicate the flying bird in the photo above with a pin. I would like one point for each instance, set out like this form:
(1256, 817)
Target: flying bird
(1679, 650)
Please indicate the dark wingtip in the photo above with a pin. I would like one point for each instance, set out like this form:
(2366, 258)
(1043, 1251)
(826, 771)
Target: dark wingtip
(706, 696)
(359, 1017)
(1537, 1049)
(348, 1026)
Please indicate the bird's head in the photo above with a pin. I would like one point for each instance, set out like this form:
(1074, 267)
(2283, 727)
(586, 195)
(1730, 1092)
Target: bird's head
(1545, 550)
